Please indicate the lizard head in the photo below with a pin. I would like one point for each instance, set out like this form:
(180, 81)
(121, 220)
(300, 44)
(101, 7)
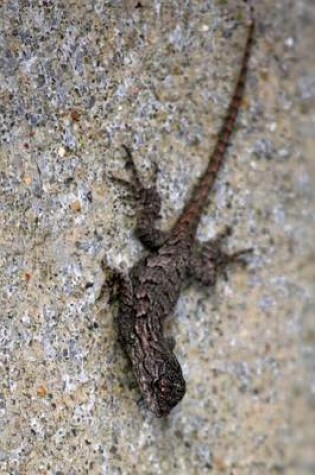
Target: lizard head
(166, 388)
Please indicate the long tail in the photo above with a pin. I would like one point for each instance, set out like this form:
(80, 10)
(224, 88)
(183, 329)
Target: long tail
(191, 214)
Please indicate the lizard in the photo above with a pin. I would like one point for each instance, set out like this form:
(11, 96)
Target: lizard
(150, 290)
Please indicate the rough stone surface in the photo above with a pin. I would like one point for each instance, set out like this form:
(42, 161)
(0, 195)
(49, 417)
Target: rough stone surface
(77, 80)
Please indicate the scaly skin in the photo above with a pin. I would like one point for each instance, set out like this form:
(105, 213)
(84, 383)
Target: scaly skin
(150, 291)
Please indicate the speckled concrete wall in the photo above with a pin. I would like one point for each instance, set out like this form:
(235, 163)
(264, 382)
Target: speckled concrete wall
(78, 80)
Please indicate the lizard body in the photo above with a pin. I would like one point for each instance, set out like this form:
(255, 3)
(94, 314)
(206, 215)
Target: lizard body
(149, 292)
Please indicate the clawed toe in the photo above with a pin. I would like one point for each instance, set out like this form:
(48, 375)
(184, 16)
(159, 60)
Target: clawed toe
(130, 165)
(240, 256)
(156, 171)
(121, 181)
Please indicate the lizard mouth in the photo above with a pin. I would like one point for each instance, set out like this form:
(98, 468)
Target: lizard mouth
(167, 393)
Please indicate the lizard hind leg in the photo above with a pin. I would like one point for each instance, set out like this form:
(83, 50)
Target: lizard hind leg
(208, 260)
(149, 202)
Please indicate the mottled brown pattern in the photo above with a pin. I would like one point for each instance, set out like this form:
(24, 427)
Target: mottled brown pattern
(150, 291)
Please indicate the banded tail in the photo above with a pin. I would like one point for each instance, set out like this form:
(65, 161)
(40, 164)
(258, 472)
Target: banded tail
(191, 214)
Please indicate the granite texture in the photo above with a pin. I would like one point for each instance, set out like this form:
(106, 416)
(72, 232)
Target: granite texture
(78, 80)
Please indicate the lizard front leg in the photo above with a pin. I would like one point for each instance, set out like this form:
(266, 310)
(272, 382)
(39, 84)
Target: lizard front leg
(124, 293)
(208, 260)
(150, 206)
